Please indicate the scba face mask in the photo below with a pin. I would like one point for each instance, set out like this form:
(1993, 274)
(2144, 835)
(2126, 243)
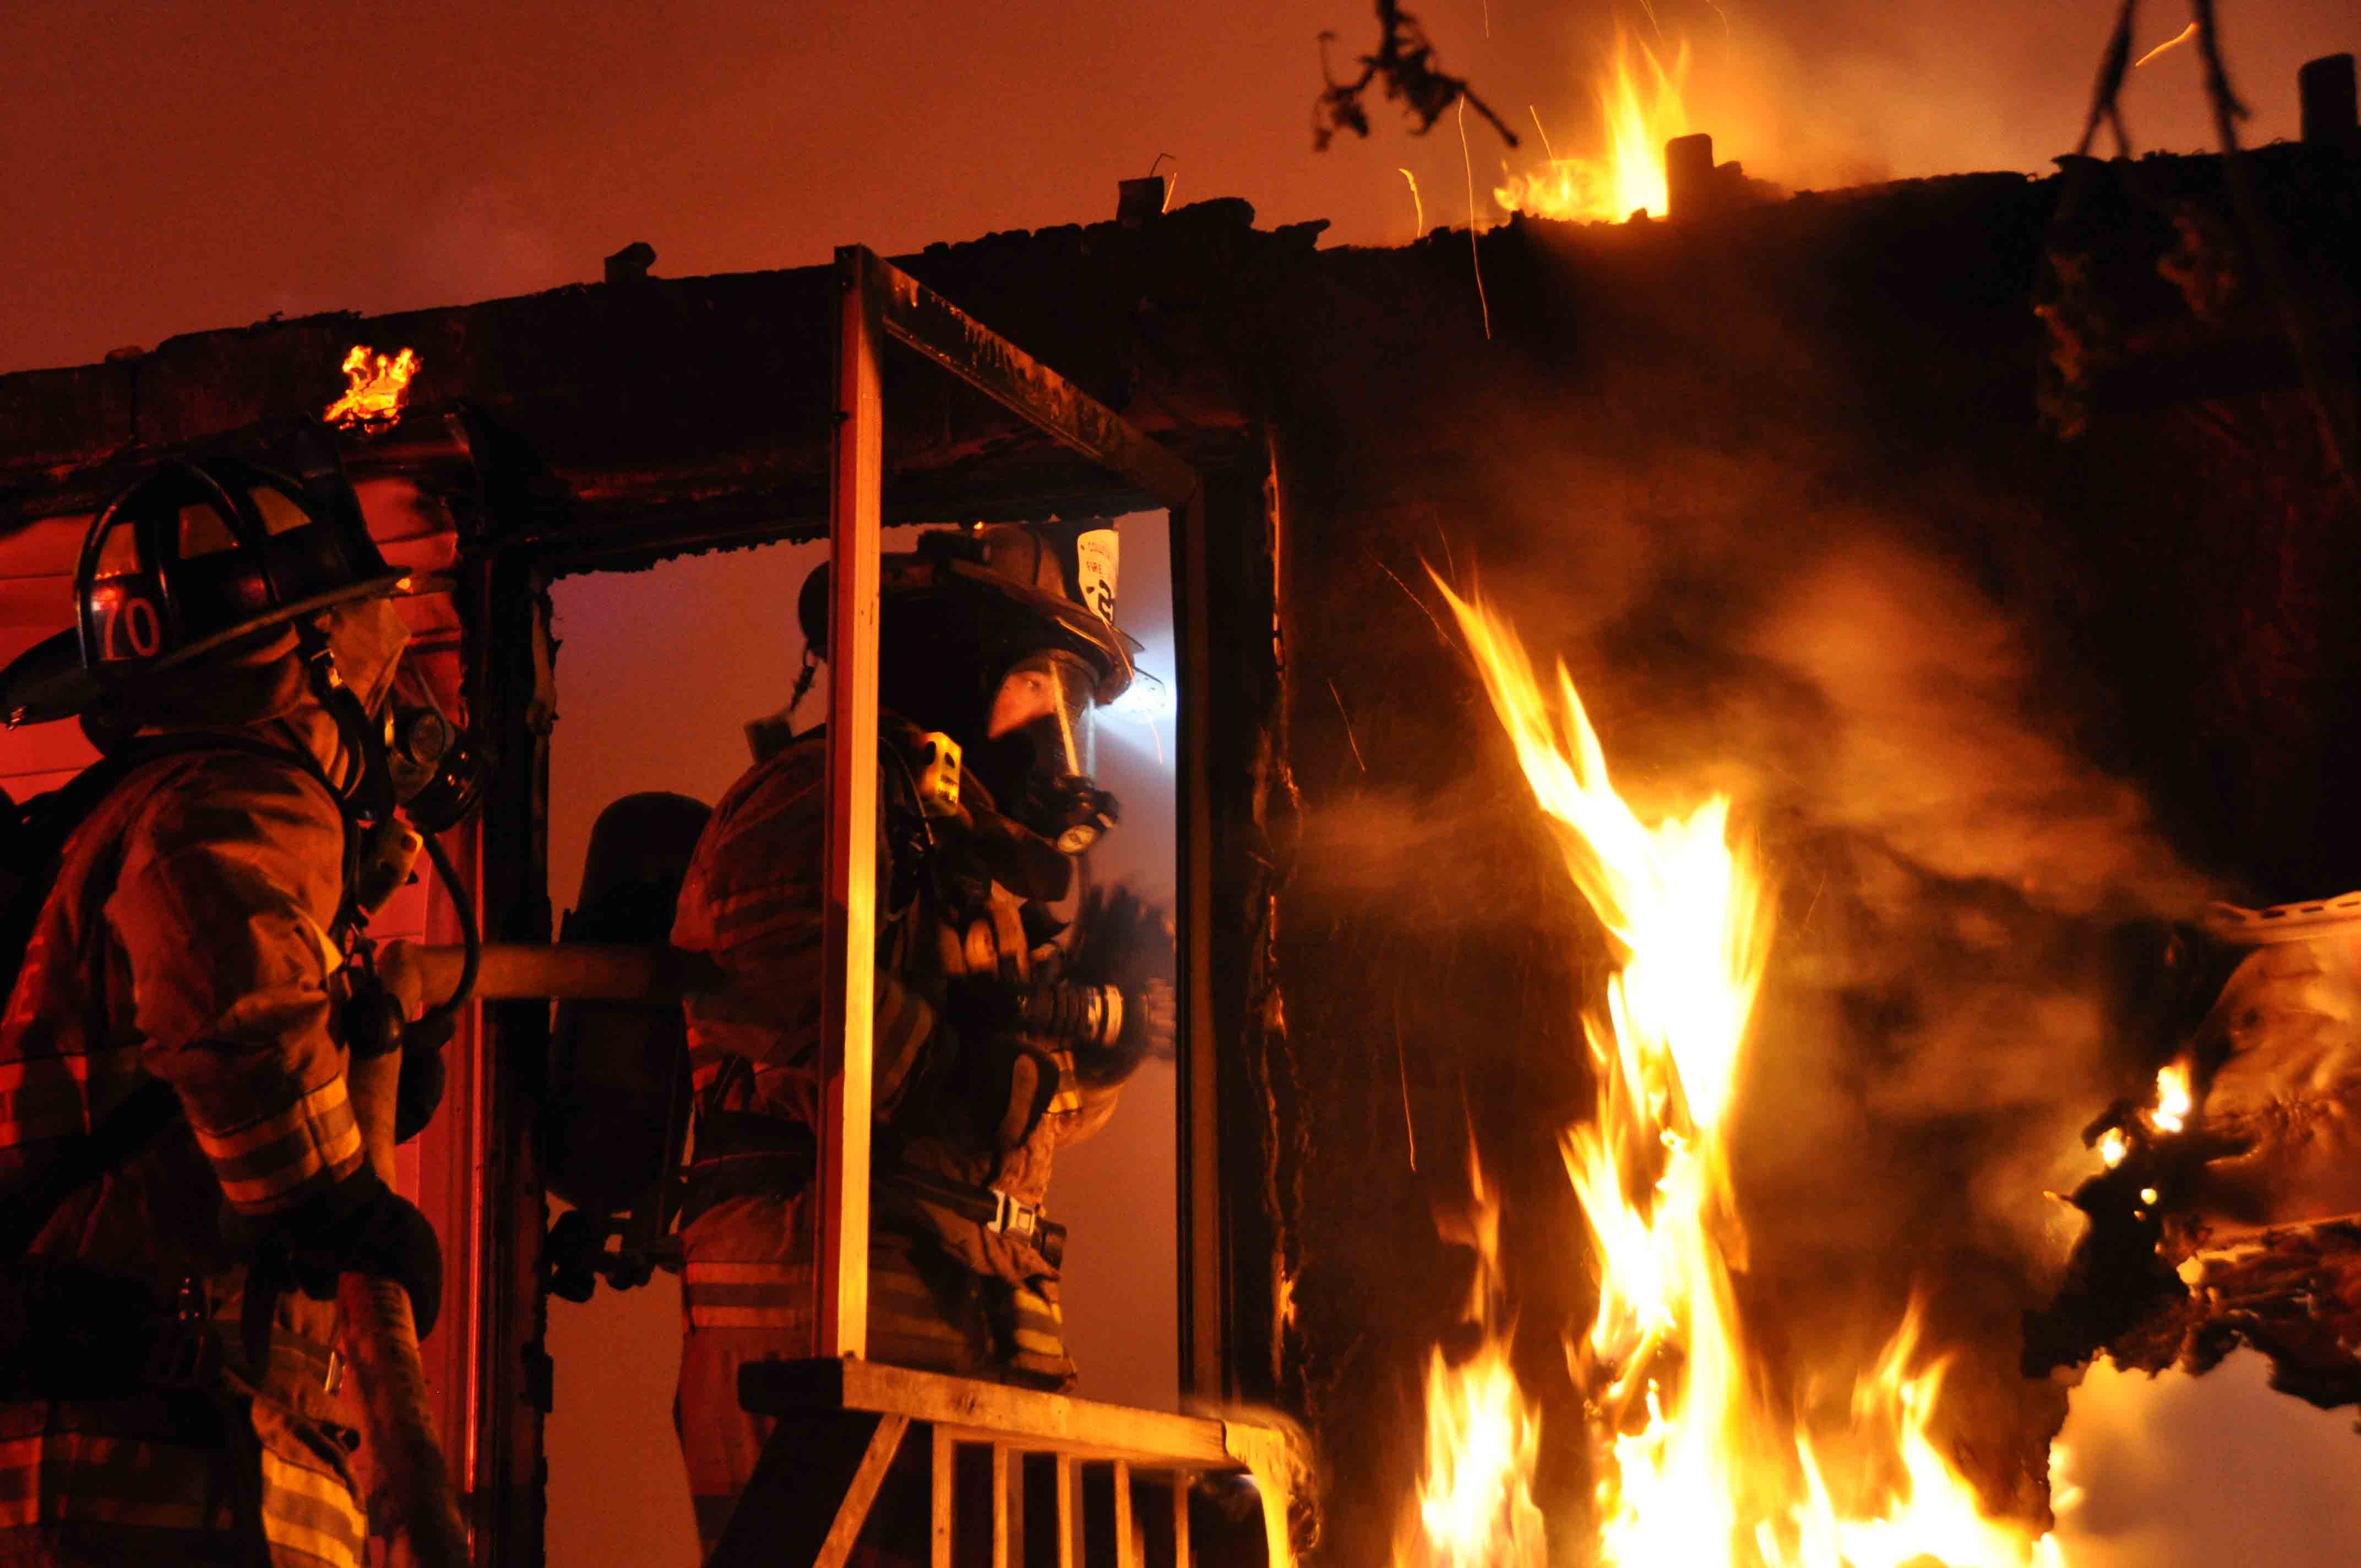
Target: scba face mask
(1041, 743)
(438, 775)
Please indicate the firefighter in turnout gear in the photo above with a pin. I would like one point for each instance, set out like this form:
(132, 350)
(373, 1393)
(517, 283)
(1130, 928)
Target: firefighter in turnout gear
(181, 1175)
(1000, 1035)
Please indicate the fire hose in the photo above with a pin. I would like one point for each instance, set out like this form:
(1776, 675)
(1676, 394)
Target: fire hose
(410, 1496)
(649, 972)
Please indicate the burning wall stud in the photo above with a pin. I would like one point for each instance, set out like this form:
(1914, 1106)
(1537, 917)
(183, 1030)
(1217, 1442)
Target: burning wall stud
(375, 388)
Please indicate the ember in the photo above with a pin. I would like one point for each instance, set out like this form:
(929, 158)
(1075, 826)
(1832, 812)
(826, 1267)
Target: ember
(375, 387)
(1639, 108)
(1700, 1463)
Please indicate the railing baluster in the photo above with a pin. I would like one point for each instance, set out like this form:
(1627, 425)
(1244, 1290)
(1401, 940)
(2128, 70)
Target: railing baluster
(946, 1498)
(1069, 1511)
(1006, 1531)
(1127, 1550)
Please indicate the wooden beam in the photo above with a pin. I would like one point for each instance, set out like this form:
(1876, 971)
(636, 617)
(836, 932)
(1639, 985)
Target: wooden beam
(918, 317)
(853, 1512)
(817, 1468)
(987, 1410)
(849, 938)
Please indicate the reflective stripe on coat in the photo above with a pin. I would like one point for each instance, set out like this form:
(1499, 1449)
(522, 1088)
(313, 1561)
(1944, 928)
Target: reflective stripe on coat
(186, 938)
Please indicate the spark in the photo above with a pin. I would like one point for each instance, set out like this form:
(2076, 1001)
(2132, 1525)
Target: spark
(1421, 603)
(1417, 208)
(1347, 718)
(1401, 1071)
(2175, 41)
(1474, 256)
(1547, 151)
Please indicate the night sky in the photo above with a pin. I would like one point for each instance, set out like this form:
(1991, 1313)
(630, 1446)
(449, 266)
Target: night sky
(172, 167)
(167, 168)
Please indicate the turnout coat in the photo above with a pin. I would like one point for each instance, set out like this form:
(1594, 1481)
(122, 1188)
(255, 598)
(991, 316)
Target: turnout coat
(187, 938)
(947, 1292)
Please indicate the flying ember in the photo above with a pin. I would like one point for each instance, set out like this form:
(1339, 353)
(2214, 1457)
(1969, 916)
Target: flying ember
(376, 386)
(1700, 1462)
(1639, 108)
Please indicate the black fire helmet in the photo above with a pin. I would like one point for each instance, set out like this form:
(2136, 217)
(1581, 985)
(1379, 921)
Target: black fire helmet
(193, 556)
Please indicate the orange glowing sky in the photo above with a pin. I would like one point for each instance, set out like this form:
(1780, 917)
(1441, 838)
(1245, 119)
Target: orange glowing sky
(167, 168)
(171, 167)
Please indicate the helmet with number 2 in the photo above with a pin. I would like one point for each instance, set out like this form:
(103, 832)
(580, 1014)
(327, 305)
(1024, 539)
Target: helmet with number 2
(194, 556)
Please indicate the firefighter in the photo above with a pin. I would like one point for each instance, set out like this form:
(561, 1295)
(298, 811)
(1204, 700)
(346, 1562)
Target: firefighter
(181, 1176)
(995, 1044)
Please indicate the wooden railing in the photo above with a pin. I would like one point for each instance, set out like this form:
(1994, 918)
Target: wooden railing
(982, 1474)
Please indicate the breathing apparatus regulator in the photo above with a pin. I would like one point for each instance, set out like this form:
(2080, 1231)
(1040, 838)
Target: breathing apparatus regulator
(187, 584)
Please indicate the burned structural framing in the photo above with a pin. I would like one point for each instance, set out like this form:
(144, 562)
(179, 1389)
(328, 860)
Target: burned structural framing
(2094, 426)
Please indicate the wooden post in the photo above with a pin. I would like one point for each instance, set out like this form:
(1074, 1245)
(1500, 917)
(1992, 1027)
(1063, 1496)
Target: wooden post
(2326, 90)
(1688, 177)
(512, 669)
(1199, 1193)
(848, 999)
(1181, 1479)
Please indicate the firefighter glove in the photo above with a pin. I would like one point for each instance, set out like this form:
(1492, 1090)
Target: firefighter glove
(420, 1093)
(359, 1226)
(1123, 942)
(1004, 1085)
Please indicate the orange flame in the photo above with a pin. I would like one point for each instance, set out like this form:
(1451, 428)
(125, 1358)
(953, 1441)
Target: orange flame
(1476, 1510)
(1699, 1465)
(2173, 1102)
(2167, 1113)
(375, 387)
(1640, 109)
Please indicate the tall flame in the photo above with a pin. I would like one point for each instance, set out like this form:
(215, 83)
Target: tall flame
(375, 387)
(1700, 1466)
(1640, 109)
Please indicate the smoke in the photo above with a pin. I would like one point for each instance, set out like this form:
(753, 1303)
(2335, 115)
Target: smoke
(1968, 907)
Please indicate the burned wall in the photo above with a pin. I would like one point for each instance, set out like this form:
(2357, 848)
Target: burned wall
(1788, 491)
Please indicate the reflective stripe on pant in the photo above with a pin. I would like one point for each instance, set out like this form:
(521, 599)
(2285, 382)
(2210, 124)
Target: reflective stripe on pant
(69, 1477)
(148, 1480)
(309, 1517)
(1038, 1331)
(718, 1294)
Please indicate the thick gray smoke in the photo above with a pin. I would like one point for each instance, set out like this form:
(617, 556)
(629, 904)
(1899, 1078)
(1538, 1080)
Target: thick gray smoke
(1962, 896)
